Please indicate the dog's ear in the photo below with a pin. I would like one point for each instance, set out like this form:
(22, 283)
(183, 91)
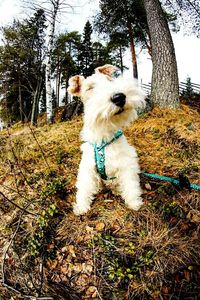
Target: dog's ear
(75, 84)
(106, 70)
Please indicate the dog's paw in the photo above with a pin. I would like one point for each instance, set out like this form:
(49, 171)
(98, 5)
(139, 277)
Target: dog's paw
(80, 210)
(136, 204)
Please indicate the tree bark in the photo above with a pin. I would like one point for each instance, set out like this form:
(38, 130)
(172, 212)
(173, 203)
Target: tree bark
(58, 80)
(165, 87)
(36, 98)
(133, 53)
(121, 59)
(49, 102)
(21, 109)
(131, 39)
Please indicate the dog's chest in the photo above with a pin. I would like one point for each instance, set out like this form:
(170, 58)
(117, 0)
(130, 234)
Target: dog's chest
(119, 155)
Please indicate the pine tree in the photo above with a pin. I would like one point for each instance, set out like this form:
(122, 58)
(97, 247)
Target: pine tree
(86, 53)
(187, 13)
(65, 60)
(125, 17)
(21, 67)
(117, 45)
(188, 91)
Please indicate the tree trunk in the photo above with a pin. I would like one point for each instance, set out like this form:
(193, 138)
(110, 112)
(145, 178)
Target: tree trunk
(58, 79)
(165, 88)
(21, 109)
(133, 53)
(49, 102)
(34, 110)
(131, 39)
(35, 106)
(121, 59)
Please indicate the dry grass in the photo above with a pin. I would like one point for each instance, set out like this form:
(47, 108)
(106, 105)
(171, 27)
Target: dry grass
(111, 252)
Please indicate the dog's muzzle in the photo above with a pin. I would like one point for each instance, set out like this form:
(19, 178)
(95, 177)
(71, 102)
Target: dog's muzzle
(119, 99)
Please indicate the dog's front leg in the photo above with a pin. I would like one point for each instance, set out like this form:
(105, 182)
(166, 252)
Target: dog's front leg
(88, 184)
(130, 189)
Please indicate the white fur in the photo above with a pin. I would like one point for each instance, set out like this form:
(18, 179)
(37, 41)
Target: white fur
(100, 123)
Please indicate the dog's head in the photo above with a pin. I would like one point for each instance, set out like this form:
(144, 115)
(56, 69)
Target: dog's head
(107, 100)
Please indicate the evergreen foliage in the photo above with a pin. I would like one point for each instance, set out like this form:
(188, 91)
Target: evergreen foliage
(127, 18)
(21, 68)
(86, 53)
(187, 12)
(188, 90)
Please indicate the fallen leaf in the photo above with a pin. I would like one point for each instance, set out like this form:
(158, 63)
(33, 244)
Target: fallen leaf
(194, 216)
(184, 226)
(187, 275)
(100, 226)
(72, 250)
(82, 281)
(64, 249)
(147, 186)
(89, 229)
(52, 264)
(87, 268)
(195, 235)
(91, 292)
(116, 226)
(64, 270)
(165, 290)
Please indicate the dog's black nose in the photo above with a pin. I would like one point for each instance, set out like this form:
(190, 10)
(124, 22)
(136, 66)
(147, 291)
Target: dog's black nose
(119, 99)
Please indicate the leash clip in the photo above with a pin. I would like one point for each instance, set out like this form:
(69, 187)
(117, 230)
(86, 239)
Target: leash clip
(184, 182)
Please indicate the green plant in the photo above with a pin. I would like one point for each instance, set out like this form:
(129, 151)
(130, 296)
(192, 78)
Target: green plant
(172, 210)
(60, 156)
(54, 187)
(37, 242)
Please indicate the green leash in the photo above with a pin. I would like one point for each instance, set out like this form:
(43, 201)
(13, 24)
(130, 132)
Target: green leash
(99, 155)
(172, 180)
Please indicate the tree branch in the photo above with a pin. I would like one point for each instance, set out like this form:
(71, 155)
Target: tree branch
(16, 205)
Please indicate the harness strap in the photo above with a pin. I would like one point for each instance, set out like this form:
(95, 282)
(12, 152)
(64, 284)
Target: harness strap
(99, 155)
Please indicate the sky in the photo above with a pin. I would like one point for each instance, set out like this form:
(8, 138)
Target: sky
(187, 48)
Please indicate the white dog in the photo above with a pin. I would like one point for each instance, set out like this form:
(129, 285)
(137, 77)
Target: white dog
(109, 105)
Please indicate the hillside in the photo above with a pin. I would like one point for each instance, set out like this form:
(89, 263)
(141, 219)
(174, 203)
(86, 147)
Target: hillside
(111, 252)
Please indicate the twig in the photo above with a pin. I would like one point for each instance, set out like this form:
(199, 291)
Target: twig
(29, 274)
(17, 160)
(12, 168)
(98, 294)
(6, 250)
(41, 277)
(3, 280)
(16, 205)
(18, 192)
(43, 154)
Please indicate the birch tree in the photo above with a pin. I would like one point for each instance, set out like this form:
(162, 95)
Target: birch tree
(52, 8)
(49, 103)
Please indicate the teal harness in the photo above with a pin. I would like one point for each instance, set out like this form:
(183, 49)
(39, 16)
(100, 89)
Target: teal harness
(99, 155)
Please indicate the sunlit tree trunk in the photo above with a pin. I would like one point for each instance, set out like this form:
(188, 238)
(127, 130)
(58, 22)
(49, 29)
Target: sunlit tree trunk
(49, 102)
(121, 59)
(132, 42)
(36, 98)
(133, 53)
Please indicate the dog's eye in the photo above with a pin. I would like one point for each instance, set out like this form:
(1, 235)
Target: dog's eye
(90, 88)
(116, 73)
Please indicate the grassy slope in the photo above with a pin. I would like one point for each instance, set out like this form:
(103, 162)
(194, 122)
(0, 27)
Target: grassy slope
(112, 252)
